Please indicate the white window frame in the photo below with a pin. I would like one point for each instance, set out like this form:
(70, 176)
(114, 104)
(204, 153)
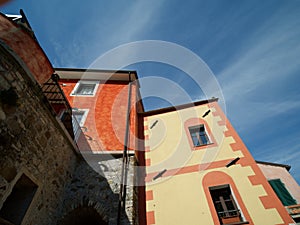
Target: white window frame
(209, 140)
(84, 116)
(96, 83)
(242, 216)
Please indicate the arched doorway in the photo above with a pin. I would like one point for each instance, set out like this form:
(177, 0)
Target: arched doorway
(83, 216)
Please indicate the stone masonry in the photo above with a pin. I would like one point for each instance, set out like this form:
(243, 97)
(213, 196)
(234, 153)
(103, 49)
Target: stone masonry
(34, 143)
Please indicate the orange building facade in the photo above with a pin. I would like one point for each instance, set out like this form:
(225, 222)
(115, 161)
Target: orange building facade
(199, 171)
(102, 102)
(105, 125)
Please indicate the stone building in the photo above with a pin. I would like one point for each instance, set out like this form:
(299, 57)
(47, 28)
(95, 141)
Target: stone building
(44, 178)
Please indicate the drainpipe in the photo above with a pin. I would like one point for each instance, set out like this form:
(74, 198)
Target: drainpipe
(125, 163)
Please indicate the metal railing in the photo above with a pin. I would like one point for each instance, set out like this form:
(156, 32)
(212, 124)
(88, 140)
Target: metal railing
(229, 213)
(60, 104)
(293, 209)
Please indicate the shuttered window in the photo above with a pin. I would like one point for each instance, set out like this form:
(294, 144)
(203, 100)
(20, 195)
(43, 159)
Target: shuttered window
(282, 193)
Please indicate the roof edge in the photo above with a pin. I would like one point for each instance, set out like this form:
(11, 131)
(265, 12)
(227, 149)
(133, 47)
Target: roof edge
(178, 107)
(96, 70)
(288, 167)
(93, 74)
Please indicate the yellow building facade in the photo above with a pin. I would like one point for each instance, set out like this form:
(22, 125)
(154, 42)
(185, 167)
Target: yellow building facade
(198, 171)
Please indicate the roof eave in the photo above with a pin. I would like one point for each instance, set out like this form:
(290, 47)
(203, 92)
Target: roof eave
(288, 167)
(178, 107)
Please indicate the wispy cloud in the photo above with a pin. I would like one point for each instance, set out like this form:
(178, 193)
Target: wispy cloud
(106, 25)
(129, 24)
(266, 52)
(140, 16)
(282, 152)
(258, 83)
(268, 59)
(264, 62)
(256, 112)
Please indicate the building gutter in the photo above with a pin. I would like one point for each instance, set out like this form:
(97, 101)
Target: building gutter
(177, 107)
(125, 163)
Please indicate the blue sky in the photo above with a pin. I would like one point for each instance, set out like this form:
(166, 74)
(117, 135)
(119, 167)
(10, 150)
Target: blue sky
(251, 46)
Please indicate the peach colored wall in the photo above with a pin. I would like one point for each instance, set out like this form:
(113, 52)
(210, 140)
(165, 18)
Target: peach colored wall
(106, 119)
(278, 172)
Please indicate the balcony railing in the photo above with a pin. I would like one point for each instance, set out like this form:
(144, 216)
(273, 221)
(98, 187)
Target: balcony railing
(294, 211)
(61, 106)
(230, 217)
(229, 213)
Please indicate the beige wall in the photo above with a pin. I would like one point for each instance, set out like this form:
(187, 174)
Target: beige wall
(180, 196)
(170, 146)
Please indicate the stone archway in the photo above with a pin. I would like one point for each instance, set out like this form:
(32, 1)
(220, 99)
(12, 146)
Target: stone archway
(84, 215)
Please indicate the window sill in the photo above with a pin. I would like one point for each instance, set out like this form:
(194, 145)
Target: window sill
(79, 95)
(204, 146)
(236, 223)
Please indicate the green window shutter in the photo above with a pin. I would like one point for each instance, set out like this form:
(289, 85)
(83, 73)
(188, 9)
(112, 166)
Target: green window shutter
(282, 193)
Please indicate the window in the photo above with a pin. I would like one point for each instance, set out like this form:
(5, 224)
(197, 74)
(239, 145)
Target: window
(80, 115)
(85, 88)
(78, 119)
(282, 193)
(199, 135)
(225, 205)
(17, 203)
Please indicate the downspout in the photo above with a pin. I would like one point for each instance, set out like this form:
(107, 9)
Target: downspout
(123, 185)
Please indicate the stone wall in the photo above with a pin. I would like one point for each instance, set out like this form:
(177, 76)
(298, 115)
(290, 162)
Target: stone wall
(34, 143)
(102, 176)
